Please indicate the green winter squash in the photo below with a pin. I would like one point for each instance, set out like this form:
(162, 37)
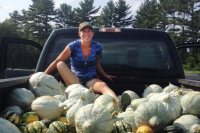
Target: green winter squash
(11, 116)
(121, 127)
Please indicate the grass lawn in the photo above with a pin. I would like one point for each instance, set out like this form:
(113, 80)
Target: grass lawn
(191, 72)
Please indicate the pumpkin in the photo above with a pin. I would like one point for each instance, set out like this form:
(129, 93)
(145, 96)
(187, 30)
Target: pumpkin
(144, 129)
(127, 97)
(153, 88)
(29, 117)
(186, 122)
(190, 103)
(44, 84)
(91, 119)
(107, 102)
(8, 127)
(11, 116)
(121, 127)
(47, 107)
(21, 97)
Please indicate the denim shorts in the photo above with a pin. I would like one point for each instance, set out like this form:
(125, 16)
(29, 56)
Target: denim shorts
(85, 80)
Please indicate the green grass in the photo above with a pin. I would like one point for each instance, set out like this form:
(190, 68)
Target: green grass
(191, 72)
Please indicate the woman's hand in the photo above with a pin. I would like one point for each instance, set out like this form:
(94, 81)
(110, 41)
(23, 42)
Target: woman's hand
(109, 77)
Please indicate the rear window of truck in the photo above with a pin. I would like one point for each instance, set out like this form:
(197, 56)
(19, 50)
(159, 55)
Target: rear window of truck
(131, 54)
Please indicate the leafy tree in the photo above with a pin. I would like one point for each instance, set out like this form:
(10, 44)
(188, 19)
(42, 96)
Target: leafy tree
(65, 16)
(121, 14)
(150, 15)
(40, 16)
(8, 28)
(86, 12)
(107, 15)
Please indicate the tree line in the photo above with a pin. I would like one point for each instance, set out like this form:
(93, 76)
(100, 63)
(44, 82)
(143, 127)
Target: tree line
(180, 18)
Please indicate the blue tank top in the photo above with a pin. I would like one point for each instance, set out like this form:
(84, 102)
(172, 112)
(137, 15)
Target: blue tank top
(84, 66)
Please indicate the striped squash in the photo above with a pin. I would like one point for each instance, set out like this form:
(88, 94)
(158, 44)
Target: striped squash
(58, 127)
(12, 116)
(29, 117)
(34, 127)
(121, 127)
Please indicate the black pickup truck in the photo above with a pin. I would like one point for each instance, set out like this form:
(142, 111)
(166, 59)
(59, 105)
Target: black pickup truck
(138, 57)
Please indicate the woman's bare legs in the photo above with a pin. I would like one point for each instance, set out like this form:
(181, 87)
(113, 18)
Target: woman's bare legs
(70, 78)
(101, 87)
(67, 75)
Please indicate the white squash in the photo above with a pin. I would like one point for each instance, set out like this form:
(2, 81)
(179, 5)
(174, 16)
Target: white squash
(187, 122)
(107, 102)
(60, 98)
(128, 117)
(21, 97)
(90, 119)
(127, 97)
(7, 127)
(153, 88)
(47, 107)
(44, 84)
(171, 103)
(195, 128)
(73, 96)
(136, 102)
(190, 103)
(153, 114)
(86, 98)
(73, 87)
(170, 87)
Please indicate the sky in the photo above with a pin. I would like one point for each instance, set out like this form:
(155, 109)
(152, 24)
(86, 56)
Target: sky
(8, 6)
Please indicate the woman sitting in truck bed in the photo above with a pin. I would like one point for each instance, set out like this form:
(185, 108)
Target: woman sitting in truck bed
(84, 55)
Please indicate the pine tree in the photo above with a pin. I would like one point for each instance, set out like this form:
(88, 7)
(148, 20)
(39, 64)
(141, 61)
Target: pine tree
(122, 18)
(86, 12)
(107, 15)
(151, 16)
(65, 16)
(40, 15)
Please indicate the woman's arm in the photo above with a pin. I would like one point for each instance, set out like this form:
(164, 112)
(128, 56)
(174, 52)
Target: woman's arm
(101, 71)
(64, 55)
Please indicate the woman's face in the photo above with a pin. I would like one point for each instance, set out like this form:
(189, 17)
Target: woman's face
(86, 35)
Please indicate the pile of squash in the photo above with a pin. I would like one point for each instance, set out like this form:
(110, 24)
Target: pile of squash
(50, 107)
